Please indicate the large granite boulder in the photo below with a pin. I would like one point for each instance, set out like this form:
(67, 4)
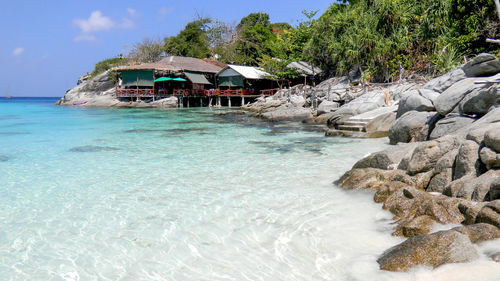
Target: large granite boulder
(443, 172)
(480, 102)
(477, 188)
(372, 179)
(327, 106)
(426, 154)
(432, 250)
(450, 98)
(492, 139)
(479, 232)
(490, 214)
(482, 65)
(495, 189)
(388, 159)
(408, 126)
(467, 162)
(450, 124)
(490, 158)
(288, 112)
(441, 83)
(417, 100)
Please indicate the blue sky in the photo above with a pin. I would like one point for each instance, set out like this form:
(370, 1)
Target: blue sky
(48, 44)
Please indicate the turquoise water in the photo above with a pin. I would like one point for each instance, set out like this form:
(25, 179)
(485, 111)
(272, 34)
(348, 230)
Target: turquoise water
(103, 194)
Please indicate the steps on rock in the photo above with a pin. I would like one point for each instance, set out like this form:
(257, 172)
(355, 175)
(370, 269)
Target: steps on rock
(359, 122)
(354, 128)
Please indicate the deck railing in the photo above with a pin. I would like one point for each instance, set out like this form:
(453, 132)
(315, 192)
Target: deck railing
(123, 93)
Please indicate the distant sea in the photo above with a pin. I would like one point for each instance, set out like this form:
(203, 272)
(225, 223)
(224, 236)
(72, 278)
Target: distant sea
(187, 194)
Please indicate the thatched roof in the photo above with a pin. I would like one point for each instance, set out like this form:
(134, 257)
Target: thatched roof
(175, 63)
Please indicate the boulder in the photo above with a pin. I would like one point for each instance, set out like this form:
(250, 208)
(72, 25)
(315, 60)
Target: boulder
(416, 101)
(479, 130)
(477, 189)
(387, 190)
(490, 214)
(495, 189)
(479, 102)
(469, 210)
(466, 162)
(450, 124)
(387, 159)
(492, 139)
(414, 227)
(479, 232)
(443, 172)
(441, 83)
(170, 102)
(297, 101)
(372, 179)
(482, 65)
(455, 186)
(408, 126)
(327, 106)
(381, 123)
(427, 154)
(288, 112)
(490, 158)
(450, 98)
(432, 250)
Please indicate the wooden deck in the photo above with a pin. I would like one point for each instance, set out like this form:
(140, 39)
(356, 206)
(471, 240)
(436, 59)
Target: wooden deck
(150, 93)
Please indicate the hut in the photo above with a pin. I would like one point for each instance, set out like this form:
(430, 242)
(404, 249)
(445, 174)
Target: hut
(248, 80)
(173, 75)
(307, 72)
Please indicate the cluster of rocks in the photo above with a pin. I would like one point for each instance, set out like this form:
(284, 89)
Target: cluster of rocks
(444, 169)
(100, 91)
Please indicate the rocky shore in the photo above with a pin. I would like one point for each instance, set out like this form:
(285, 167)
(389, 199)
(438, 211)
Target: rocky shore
(100, 91)
(444, 168)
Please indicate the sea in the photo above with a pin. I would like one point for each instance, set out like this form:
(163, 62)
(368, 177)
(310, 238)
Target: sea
(188, 194)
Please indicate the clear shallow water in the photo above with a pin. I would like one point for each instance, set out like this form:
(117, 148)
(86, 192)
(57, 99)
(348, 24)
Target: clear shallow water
(95, 194)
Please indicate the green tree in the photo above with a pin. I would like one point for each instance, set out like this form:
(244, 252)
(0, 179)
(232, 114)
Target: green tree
(192, 41)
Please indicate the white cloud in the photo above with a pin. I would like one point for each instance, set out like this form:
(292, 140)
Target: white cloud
(97, 22)
(18, 51)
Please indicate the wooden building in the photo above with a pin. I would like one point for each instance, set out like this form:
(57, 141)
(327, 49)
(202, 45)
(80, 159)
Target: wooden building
(247, 80)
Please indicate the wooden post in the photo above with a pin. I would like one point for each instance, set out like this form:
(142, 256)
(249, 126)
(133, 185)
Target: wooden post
(229, 101)
(201, 102)
(242, 100)
(497, 3)
(210, 102)
(187, 102)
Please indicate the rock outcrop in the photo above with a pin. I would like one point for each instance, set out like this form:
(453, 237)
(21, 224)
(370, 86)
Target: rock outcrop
(448, 173)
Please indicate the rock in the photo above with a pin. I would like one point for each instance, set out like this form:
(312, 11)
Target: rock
(387, 159)
(490, 158)
(479, 102)
(466, 162)
(482, 65)
(170, 102)
(417, 100)
(432, 250)
(490, 214)
(496, 257)
(492, 139)
(414, 227)
(288, 112)
(450, 124)
(477, 189)
(469, 210)
(387, 190)
(443, 172)
(479, 232)
(455, 186)
(477, 134)
(409, 202)
(372, 179)
(450, 98)
(327, 106)
(495, 189)
(297, 101)
(381, 123)
(426, 154)
(441, 83)
(408, 126)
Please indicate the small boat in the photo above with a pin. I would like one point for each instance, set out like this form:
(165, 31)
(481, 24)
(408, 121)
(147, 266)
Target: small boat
(80, 103)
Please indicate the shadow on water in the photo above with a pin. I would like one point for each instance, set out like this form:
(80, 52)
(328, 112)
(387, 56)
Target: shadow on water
(4, 158)
(92, 148)
(8, 134)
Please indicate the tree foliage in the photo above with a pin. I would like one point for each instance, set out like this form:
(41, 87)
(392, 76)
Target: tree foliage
(149, 50)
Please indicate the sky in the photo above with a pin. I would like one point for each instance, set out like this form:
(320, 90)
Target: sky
(47, 45)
